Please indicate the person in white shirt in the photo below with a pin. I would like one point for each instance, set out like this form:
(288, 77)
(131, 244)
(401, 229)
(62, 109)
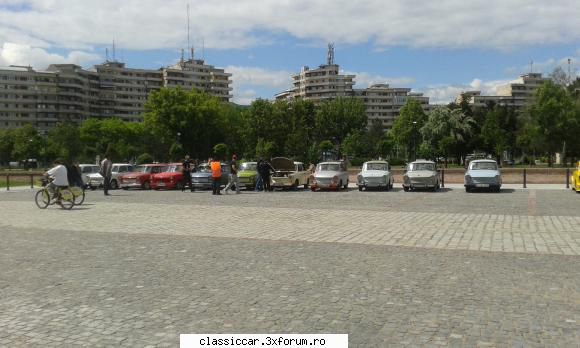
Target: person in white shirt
(59, 175)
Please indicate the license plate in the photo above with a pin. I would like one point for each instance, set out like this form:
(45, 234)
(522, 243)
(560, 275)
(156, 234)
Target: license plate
(481, 185)
(161, 184)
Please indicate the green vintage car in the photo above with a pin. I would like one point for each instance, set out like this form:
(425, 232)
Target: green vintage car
(248, 174)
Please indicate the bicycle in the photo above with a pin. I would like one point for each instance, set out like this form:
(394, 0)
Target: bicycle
(78, 193)
(62, 196)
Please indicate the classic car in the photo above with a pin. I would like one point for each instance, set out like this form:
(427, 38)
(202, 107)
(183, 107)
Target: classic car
(248, 174)
(375, 174)
(289, 174)
(118, 169)
(575, 178)
(202, 179)
(329, 175)
(87, 169)
(421, 174)
(170, 177)
(482, 174)
(141, 176)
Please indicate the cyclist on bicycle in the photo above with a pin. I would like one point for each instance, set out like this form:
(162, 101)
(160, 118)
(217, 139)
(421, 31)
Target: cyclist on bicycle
(59, 175)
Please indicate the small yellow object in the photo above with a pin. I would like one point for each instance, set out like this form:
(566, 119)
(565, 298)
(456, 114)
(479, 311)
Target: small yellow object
(575, 178)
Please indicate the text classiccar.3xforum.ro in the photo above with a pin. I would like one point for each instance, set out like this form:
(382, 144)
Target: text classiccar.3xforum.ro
(269, 341)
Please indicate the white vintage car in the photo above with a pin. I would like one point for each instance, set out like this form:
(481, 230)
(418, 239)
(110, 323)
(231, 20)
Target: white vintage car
(289, 174)
(483, 174)
(421, 174)
(330, 175)
(375, 175)
(96, 180)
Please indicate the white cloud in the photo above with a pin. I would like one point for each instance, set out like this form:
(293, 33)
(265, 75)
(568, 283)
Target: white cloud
(247, 79)
(39, 58)
(161, 24)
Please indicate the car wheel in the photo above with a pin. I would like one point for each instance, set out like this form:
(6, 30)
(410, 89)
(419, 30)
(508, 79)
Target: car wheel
(114, 184)
(307, 184)
(467, 189)
(313, 189)
(146, 185)
(345, 185)
(179, 186)
(295, 185)
(360, 188)
(406, 188)
(93, 188)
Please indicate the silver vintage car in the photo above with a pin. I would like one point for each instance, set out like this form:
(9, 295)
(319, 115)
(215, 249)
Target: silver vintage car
(421, 174)
(375, 174)
(330, 175)
(482, 174)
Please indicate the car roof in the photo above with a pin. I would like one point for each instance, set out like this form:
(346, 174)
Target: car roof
(376, 162)
(154, 164)
(122, 164)
(332, 162)
(88, 165)
(483, 160)
(422, 161)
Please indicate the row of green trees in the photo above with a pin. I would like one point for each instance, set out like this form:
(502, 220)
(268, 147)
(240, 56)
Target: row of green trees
(179, 122)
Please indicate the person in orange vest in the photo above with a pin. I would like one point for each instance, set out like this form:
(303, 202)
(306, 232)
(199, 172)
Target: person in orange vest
(216, 174)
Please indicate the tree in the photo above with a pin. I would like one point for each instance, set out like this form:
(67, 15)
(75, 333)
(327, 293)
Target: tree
(124, 141)
(554, 118)
(338, 118)
(357, 145)
(265, 149)
(28, 144)
(499, 131)
(220, 151)
(193, 119)
(6, 145)
(406, 127)
(446, 131)
(64, 142)
(559, 76)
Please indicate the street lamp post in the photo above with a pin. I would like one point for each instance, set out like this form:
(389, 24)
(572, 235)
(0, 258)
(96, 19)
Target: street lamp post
(414, 141)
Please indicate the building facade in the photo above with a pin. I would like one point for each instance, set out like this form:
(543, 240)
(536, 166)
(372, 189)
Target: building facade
(515, 95)
(67, 92)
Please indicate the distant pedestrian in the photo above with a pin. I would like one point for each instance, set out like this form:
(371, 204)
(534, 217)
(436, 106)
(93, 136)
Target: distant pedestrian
(216, 175)
(311, 168)
(106, 172)
(233, 178)
(266, 171)
(259, 181)
(186, 171)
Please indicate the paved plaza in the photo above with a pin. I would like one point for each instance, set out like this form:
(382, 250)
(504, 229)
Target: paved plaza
(387, 268)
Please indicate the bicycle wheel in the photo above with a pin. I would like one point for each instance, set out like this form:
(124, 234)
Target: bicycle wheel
(79, 197)
(67, 199)
(42, 199)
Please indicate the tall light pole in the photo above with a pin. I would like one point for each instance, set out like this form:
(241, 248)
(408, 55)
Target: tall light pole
(414, 141)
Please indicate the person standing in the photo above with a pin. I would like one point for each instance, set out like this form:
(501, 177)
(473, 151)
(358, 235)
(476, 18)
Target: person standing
(233, 178)
(186, 171)
(265, 172)
(216, 175)
(106, 172)
(259, 181)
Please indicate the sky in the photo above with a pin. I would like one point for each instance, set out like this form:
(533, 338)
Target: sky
(439, 48)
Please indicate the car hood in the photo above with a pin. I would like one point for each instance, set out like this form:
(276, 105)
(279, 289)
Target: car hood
(282, 163)
(247, 173)
(95, 175)
(327, 174)
(482, 173)
(420, 174)
(135, 175)
(374, 173)
(166, 174)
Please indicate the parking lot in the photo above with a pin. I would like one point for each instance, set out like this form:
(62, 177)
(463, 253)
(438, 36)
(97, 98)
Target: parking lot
(388, 268)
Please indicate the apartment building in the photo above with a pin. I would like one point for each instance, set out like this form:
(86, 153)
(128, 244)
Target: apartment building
(69, 92)
(515, 95)
(384, 103)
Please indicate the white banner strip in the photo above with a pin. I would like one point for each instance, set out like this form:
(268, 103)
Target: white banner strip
(261, 340)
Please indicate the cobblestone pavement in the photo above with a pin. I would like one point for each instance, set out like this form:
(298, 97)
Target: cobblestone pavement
(388, 268)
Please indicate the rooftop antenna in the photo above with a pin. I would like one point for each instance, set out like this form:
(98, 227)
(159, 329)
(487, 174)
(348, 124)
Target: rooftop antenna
(330, 56)
(181, 60)
(188, 44)
(202, 48)
(106, 54)
(531, 66)
(114, 58)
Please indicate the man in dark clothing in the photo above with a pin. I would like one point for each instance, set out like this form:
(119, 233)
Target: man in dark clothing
(186, 171)
(74, 175)
(265, 171)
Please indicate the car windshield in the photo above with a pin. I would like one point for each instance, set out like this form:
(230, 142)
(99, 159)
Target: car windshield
(328, 167)
(143, 169)
(377, 166)
(249, 166)
(172, 169)
(422, 166)
(204, 168)
(484, 166)
(87, 169)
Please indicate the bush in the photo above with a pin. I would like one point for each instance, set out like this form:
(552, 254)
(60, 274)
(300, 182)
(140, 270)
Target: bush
(144, 158)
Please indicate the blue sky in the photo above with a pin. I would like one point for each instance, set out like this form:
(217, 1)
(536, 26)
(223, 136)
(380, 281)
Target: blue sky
(439, 48)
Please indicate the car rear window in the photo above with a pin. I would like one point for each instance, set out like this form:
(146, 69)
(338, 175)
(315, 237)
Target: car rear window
(484, 166)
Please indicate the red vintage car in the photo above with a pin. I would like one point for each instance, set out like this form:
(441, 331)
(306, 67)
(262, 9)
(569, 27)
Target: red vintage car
(141, 176)
(171, 177)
